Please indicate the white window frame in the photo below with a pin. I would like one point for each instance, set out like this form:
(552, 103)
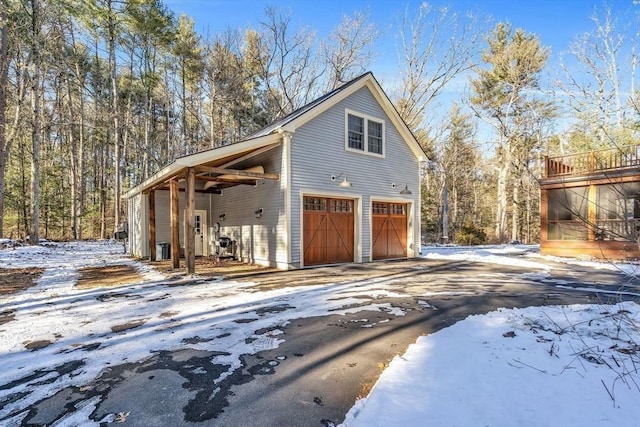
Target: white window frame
(366, 118)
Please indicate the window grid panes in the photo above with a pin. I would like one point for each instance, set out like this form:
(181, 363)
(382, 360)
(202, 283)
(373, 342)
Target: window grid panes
(398, 209)
(365, 134)
(356, 132)
(380, 208)
(375, 137)
(315, 204)
(343, 206)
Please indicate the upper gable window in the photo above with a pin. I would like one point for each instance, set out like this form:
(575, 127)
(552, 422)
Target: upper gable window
(364, 133)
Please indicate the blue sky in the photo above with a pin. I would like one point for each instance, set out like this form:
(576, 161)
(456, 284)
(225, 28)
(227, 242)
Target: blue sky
(556, 22)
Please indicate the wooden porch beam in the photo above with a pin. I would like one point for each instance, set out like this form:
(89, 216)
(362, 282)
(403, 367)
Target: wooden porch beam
(175, 223)
(218, 179)
(241, 173)
(166, 182)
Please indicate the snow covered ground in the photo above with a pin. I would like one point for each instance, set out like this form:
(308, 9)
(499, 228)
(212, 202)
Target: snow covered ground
(540, 366)
(550, 366)
(557, 366)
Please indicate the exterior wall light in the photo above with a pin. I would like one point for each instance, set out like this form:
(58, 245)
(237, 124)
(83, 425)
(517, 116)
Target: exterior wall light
(345, 182)
(406, 190)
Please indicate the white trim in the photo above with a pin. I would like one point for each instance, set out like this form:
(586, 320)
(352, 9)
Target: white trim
(204, 229)
(286, 159)
(144, 225)
(411, 232)
(357, 219)
(417, 220)
(365, 143)
(400, 125)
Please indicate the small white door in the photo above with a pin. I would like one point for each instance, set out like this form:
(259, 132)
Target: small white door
(200, 225)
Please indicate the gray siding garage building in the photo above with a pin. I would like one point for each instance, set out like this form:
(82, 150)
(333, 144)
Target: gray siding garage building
(337, 181)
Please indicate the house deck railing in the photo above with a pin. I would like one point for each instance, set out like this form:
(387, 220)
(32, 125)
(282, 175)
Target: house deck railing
(592, 162)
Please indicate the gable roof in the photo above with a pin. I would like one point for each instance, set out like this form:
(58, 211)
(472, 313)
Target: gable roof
(270, 135)
(302, 115)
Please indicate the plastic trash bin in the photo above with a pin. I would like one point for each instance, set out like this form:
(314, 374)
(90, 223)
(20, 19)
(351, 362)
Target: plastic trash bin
(162, 250)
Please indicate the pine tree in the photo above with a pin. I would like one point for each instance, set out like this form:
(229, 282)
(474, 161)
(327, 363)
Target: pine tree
(504, 95)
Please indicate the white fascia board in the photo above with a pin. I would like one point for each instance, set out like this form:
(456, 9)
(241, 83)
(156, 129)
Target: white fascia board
(400, 125)
(154, 179)
(228, 150)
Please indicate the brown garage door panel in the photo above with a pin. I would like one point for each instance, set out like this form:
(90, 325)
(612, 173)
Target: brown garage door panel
(328, 231)
(389, 230)
(398, 236)
(315, 237)
(340, 238)
(380, 236)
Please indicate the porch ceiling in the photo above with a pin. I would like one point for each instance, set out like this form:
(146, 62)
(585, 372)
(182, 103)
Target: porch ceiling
(214, 175)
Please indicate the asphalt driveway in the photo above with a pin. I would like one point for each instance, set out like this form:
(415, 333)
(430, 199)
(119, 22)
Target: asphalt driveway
(322, 363)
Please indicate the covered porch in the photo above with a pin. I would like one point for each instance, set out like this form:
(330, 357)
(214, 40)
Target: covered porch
(206, 173)
(590, 204)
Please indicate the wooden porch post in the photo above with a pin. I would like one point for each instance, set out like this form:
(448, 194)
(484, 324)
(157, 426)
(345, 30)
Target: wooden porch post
(544, 217)
(152, 225)
(591, 213)
(190, 235)
(175, 223)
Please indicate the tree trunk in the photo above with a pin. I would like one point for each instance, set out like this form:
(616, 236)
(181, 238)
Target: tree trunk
(527, 239)
(35, 127)
(183, 78)
(501, 212)
(4, 73)
(80, 176)
(515, 210)
(445, 214)
(102, 179)
(73, 172)
(114, 114)
(25, 190)
(147, 136)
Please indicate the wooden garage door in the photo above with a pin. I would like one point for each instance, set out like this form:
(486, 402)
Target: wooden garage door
(327, 231)
(389, 230)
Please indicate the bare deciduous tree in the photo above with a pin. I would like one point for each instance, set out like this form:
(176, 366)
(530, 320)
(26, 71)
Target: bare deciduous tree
(594, 84)
(435, 47)
(291, 70)
(349, 49)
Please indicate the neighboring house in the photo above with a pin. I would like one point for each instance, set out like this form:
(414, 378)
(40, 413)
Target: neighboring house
(590, 204)
(337, 181)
